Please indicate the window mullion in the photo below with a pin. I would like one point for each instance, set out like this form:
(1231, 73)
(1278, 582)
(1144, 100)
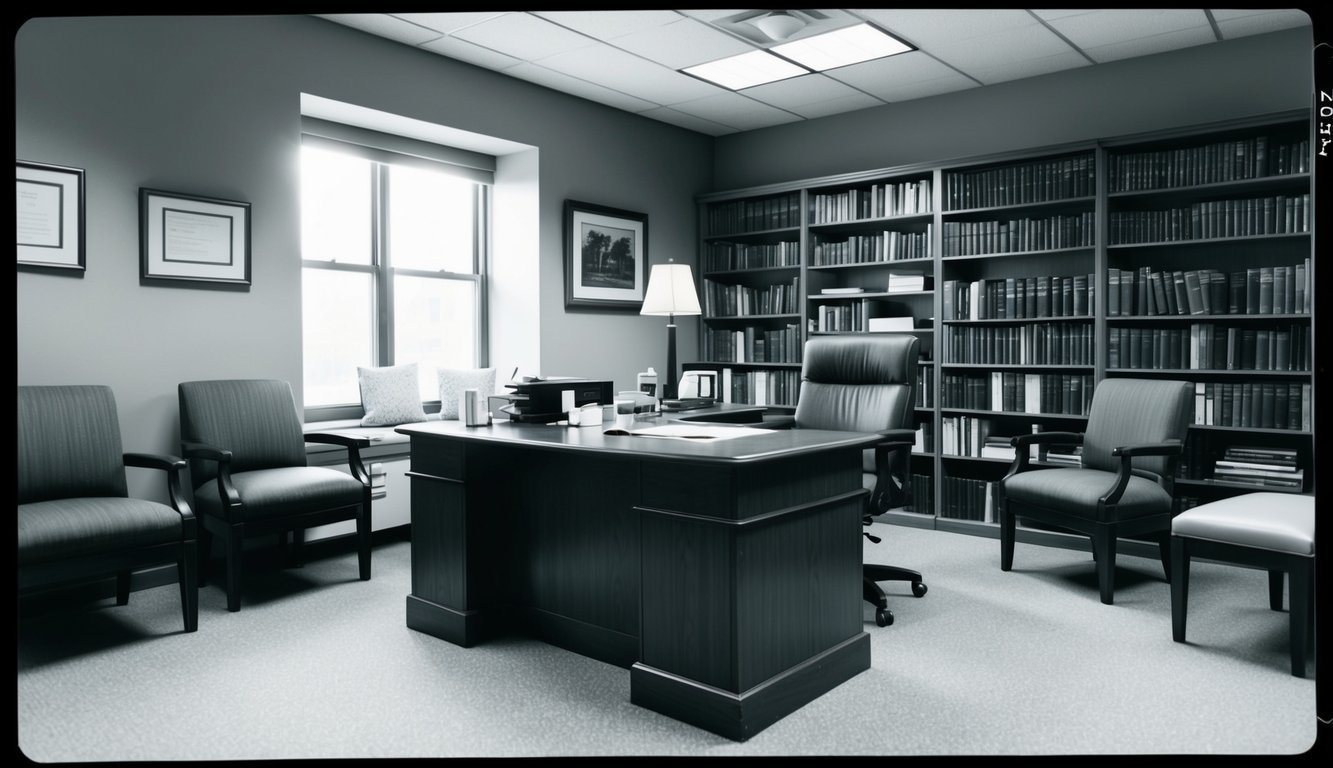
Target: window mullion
(481, 248)
(383, 266)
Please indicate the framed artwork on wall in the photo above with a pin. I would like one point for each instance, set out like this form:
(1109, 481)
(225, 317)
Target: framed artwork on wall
(49, 218)
(201, 240)
(606, 256)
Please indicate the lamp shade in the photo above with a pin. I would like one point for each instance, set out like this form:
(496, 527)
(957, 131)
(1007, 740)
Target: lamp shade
(671, 291)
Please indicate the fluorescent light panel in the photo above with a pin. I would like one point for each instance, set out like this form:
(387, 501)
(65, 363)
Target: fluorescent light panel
(841, 47)
(746, 70)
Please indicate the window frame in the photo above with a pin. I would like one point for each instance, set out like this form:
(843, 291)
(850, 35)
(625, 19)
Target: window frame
(382, 272)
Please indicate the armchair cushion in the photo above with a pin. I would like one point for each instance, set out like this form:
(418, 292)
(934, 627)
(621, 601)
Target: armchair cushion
(390, 395)
(1075, 491)
(453, 381)
(64, 528)
(283, 491)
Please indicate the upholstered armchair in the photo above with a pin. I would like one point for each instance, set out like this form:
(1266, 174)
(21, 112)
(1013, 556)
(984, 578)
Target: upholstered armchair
(1135, 435)
(866, 384)
(75, 517)
(248, 467)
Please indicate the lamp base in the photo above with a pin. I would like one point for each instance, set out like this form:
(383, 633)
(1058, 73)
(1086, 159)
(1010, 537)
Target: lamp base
(668, 387)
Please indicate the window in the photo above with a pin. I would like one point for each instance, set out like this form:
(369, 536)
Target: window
(393, 250)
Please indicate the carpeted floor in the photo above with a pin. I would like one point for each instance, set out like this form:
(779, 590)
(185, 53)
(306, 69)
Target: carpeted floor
(320, 665)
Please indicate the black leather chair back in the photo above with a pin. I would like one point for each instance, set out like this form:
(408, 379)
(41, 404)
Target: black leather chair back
(1135, 411)
(68, 444)
(255, 419)
(858, 384)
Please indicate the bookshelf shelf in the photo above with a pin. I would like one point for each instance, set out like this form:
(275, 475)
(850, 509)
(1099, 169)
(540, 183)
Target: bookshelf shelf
(1079, 304)
(1210, 483)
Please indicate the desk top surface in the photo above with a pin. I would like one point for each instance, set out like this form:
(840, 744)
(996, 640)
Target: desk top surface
(768, 444)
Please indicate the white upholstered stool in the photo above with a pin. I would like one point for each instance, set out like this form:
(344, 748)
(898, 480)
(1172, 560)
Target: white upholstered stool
(1269, 530)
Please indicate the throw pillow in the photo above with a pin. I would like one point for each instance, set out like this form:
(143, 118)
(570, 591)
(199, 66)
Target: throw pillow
(454, 380)
(390, 395)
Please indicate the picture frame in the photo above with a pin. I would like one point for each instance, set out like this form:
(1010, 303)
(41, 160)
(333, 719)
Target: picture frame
(49, 218)
(204, 241)
(606, 256)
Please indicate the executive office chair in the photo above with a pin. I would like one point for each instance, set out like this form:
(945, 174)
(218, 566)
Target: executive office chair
(867, 384)
(75, 517)
(1135, 435)
(248, 467)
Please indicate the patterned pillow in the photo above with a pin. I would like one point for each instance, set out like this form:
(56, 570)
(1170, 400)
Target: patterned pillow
(390, 395)
(454, 380)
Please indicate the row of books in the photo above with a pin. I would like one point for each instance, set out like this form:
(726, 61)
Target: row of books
(972, 238)
(966, 498)
(720, 257)
(1037, 181)
(840, 318)
(1023, 344)
(889, 245)
(922, 490)
(1011, 392)
(725, 300)
(760, 387)
(754, 345)
(1253, 404)
(1231, 160)
(903, 198)
(1260, 466)
(1019, 297)
(925, 386)
(739, 216)
(1208, 347)
(1275, 215)
(1276, 290)
(924, 441)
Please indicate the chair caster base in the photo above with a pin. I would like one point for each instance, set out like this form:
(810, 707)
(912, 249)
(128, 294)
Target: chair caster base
(918, 589)
(883, 618)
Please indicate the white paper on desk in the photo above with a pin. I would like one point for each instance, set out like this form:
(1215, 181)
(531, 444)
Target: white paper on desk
(691, 431)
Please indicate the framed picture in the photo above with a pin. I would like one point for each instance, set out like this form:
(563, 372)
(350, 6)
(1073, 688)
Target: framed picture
(606, 256)
(194, 239)
(49, 217)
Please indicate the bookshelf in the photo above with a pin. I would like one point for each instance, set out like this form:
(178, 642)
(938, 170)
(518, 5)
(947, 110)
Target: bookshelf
(1029, 277)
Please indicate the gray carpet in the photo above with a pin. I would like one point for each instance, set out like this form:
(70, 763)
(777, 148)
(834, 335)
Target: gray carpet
(320, 665)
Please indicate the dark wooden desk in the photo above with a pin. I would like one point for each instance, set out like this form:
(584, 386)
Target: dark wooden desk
(726, 575)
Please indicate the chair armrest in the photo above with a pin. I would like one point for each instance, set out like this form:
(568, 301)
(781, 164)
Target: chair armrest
(205, 452)
(231, 500)
(172, 465)
(775, 422)
(1022, 442)
(353, 444)
(894, 440)
(1167, 448)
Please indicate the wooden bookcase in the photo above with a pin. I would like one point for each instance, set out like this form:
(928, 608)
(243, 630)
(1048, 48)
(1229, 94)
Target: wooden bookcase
(1029, 277)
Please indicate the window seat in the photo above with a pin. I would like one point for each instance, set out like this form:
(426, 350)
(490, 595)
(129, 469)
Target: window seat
(386, 444)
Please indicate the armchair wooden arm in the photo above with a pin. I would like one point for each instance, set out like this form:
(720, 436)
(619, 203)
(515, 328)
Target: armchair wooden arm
(353, 444)
(1022, 442)
(172, 465)
(1126, 468)
(231, 500)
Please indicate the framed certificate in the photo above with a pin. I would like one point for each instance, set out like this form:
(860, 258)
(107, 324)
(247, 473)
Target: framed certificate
(49, 217)
(193, 239)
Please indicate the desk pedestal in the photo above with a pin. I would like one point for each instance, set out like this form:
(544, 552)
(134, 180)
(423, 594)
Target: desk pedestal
(732, 590)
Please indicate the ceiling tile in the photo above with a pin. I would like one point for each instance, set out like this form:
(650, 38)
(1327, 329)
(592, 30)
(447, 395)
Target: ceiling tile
(684, 43)
(523, 36)
(713, 14)
(605, 25)
(472, 54)
(445, 23)
(669, 115)
(736, 110)
(542, 76)
(801, 91)
(1105, 27)
(621, 71)
(902, 77)
(1002, 51)
(925, 28)
(1143, 46)
(852, 102)
(384, 25)
(1001, 71)
(1269, 21)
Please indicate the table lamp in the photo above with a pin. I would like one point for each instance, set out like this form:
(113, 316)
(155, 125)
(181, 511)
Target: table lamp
(670, 292)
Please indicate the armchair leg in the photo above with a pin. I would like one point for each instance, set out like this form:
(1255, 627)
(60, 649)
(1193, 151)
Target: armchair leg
(298, 548)
(1301, 578)
(1103, 547)
(123, 588)
(205, 551)
(1006, 537)
(186, 574)
(1164, 552)
(235, 538)
(1275, 589)
(1180, 587)
(363, 541)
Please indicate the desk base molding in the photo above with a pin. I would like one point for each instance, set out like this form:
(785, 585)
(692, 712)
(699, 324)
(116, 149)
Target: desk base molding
(465, 628)
(740, 716)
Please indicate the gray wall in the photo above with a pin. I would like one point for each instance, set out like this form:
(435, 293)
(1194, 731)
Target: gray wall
(211, 106)
(1219, 81)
